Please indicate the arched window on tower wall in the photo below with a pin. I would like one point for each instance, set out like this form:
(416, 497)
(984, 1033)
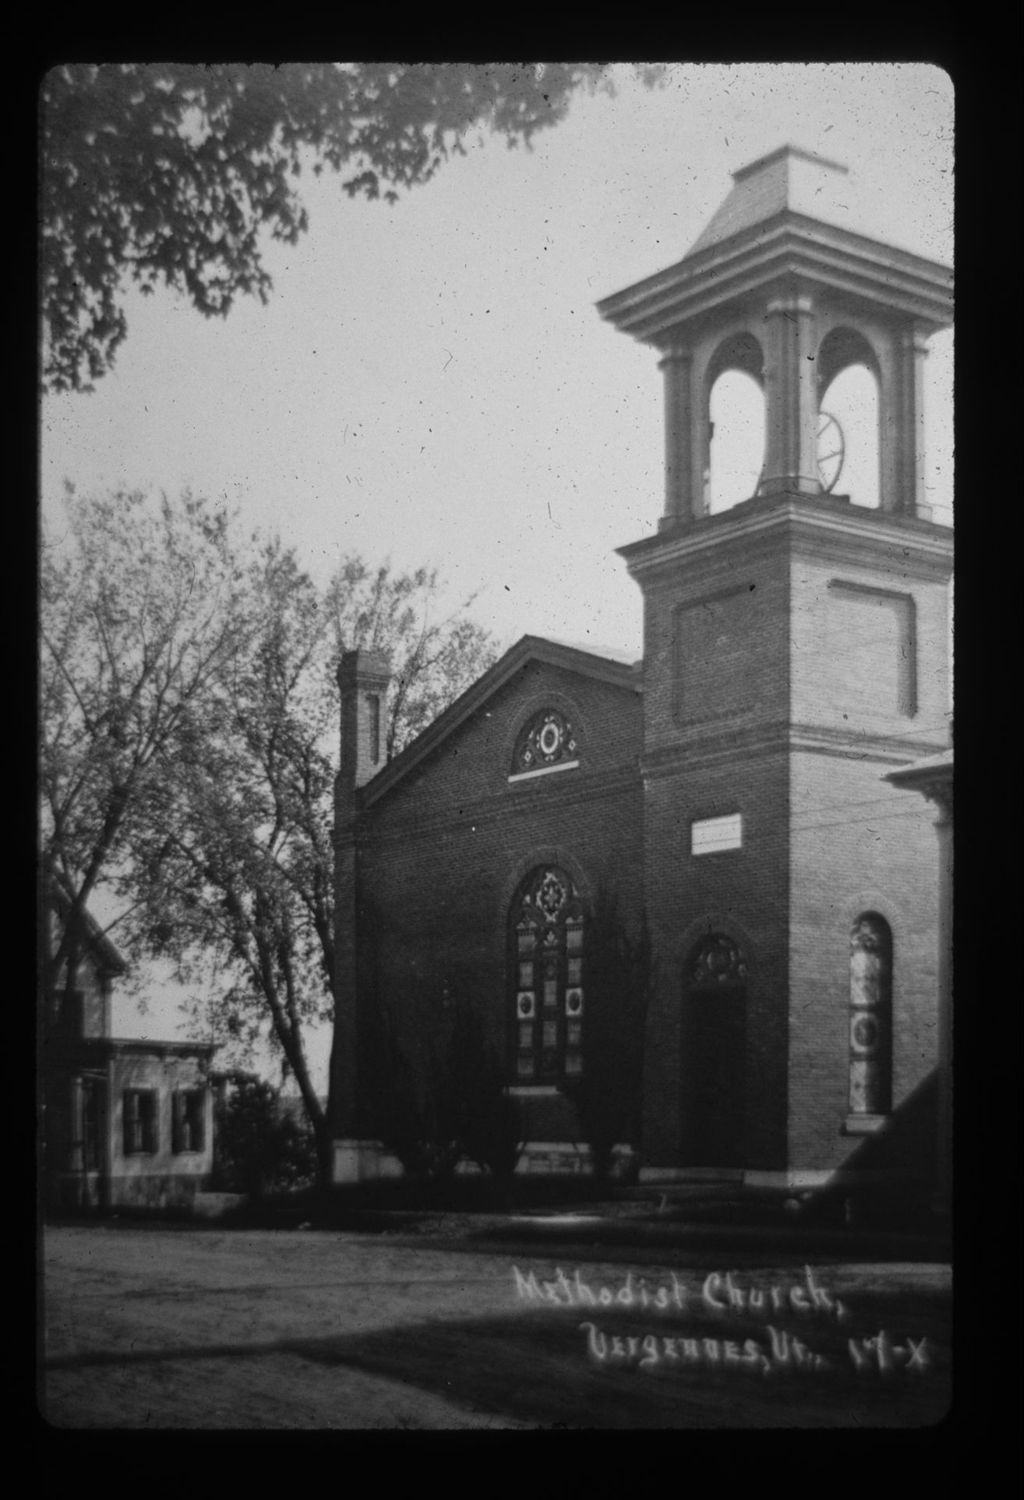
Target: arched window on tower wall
(547, 927)
(870, 1016)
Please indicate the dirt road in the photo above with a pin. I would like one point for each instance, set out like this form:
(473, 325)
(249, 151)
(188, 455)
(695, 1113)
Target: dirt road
(162, 1327)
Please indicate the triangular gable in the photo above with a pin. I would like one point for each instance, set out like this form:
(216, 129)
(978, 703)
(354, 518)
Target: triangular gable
(616, 671)
(96, 940)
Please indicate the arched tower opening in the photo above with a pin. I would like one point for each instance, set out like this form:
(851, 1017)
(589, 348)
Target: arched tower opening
(849, 414)
(735, 423)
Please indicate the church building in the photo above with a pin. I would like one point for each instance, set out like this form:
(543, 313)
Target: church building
(724, 801)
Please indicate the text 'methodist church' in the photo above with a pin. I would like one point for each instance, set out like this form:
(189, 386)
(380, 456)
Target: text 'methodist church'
(728, 790)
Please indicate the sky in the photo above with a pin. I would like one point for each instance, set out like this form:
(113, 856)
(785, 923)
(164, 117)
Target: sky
(431, 382)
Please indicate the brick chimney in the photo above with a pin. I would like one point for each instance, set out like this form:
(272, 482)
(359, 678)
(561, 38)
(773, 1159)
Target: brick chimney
(363, 678)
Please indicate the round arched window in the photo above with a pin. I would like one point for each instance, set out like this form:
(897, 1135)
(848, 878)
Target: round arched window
(870, 1016)
(716, 961)
(547, 939)
(549, 739)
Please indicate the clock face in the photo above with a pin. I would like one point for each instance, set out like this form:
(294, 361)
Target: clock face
(831, 451)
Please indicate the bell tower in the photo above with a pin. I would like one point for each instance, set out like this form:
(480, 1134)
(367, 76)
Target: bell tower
(795, 651)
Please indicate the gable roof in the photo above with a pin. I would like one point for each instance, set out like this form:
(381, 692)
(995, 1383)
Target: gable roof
(96, 940)
(618, 671)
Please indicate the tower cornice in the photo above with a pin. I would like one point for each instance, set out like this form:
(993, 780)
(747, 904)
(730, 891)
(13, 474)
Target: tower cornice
(789, 249)
(824, 526)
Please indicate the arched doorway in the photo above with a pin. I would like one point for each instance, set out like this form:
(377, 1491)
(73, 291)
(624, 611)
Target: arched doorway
(714, 1031)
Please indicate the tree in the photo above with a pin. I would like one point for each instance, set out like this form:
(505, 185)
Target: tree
(170, 174)
(142, 615)
(230, 867)
(431, 660)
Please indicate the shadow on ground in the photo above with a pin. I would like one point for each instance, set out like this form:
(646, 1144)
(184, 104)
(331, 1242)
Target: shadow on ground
(594, 1368)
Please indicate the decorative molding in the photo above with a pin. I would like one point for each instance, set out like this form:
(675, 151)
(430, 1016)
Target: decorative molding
(863, 1124)
(880, 276)
(796, 1178)
(933, 778)
(713, 923)
(541, 854)
(681, 646)
(851, 744)
(904, 646)
(816, 526)
(717, 742)
(578, 791)
(561, 765)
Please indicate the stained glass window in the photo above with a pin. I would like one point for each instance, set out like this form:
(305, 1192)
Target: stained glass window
(870, 1016)
(548, 740)
(717, 960)
(547, 923)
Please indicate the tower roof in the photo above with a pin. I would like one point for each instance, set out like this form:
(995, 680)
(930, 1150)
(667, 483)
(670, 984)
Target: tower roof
(787, 178)
(790, 214)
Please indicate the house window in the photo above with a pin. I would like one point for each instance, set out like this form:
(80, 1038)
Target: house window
(547, 743)
(189, 1118)
(140, 1134)
(870, 1016)
(547, 967)
(92, 1092)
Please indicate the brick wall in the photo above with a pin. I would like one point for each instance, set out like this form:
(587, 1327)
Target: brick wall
(787, 667)
(441, 854)
(858, 845)
(742, 893)
(785, 672)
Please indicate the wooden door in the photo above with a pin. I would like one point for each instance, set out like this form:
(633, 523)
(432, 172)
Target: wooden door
(714, 1078)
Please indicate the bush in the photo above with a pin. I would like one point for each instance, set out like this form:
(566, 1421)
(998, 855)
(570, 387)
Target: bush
(486, 1120)
(455, 1107)
(260, 1147)
(617, 981)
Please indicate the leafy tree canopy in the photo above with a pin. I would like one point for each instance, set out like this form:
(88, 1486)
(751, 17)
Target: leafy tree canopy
(143, 613)
(169, 174)
(190, 716)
